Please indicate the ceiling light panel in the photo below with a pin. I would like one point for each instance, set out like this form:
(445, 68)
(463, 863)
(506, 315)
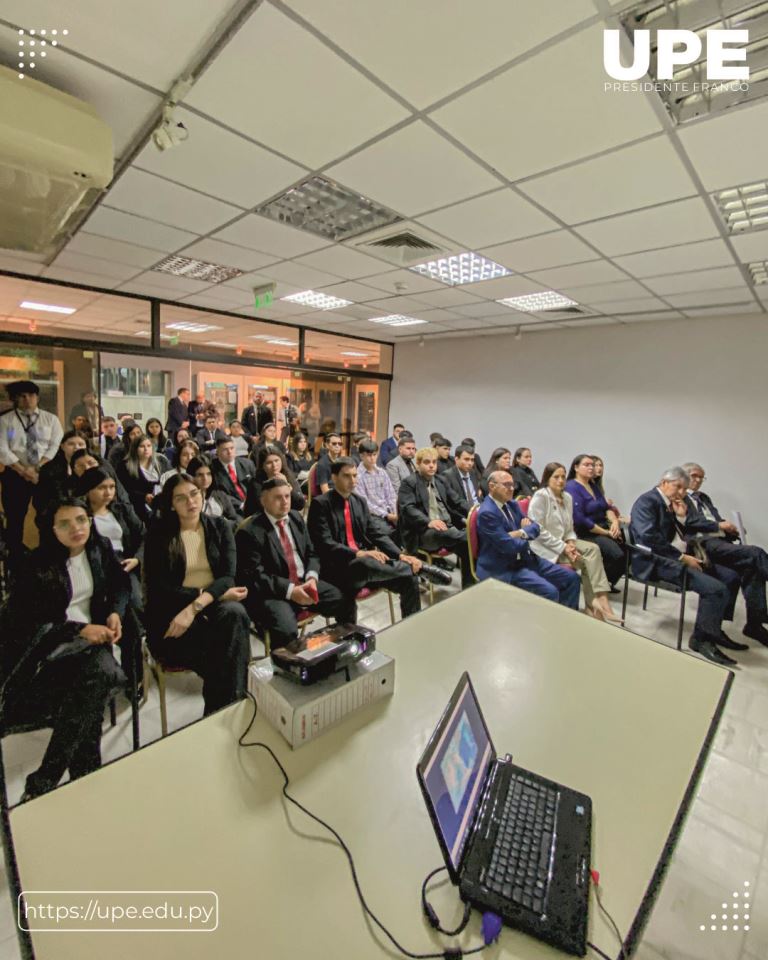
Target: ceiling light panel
(318, 301)
(759, 271)
(268, 338)
(534, 302)
(46, 307)
(354, 353)
(188, 326)
(218, 343)
(396, 320)
(327, 209)
(744, 208)
(462, 268)
(197, 269)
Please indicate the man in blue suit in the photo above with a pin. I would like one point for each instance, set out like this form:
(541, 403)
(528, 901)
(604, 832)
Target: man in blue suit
(388, 449)
(505, 553)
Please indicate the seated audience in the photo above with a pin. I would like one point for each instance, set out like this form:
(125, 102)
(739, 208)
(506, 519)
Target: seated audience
(300, 459)
(154, 430)
(172, 452)
(464, 476)
(470, 442)
(504, 547)
(209, 436)
(109, 436)
(500, 459)
(327, 426)
(432, 517)
(82, 460)
(90, 411)
(232, 474)
(330, 454)
(655, 526)
(64, 613)
(267, 438)
(353, 553)
(277, 562)
(81, 425)
(593, 520)
(552, 508)
(375, 487)
(717, 538)
(272, 463)
(357, 439)
(55, 476)
(186, 451)
(140, 474)
(402, 466)
(194, 614)
(243, 441)
(526, 481)
(215, 502)
(119, 451)
(388, 449)
(444, 459)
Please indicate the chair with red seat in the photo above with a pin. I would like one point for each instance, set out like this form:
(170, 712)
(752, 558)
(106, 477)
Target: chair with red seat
(430, 556)
(473, 541)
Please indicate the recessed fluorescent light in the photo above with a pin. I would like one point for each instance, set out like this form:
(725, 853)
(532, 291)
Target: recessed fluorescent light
(759, 271)
(320, 301)
(46, 307)
(462, 268)
(534, 302)
(353, 353)
(189, 327)
(196, 269)
(396, 320)
(282, 343)
(744, 208)
(279, 341)
(146, 333)
(218, 343)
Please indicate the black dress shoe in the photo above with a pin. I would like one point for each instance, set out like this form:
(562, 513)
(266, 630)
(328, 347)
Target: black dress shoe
(709, 651)
(728, 644)
(434, 574)
(756, 631)
(444, 563)
(614, 589)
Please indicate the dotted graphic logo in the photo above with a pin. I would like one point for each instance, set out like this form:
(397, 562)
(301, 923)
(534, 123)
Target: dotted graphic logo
(34, 44)
(739, 919)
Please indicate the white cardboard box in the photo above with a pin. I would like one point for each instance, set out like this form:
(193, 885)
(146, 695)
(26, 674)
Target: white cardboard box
(303, 713)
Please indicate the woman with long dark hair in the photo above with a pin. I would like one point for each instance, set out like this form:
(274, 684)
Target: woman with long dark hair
(194, 614)
(186, 451)
(300, 457)
(267, 438)
(500, 459)
(593, 519)
(154, 430)
(526, 481)
(140, 474)
(55, 478)
(65, 612)
(82, 460)
(216, 503)
(271, 463)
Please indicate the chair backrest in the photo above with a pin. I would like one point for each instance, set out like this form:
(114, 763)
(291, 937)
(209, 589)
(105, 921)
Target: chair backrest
(313, 487)
(473, 542)
(523, 504)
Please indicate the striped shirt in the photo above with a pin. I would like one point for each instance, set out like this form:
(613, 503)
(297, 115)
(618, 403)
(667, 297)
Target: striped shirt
(375, 487)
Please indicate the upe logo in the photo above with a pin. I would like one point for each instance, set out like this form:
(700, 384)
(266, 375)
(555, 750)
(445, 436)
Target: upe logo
(722, 47)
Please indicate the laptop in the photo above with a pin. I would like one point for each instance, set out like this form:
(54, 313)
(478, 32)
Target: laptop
(515, 843)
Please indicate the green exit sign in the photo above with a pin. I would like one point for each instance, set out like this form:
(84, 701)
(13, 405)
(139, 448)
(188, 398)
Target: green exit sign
(263, 299)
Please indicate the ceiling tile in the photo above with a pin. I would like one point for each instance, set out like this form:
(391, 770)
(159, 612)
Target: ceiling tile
(711, 146)
(557, 96)
(227, 255)
(722, 277)
(449, 297)
(362, 312)
(68, 275)
(343, 262)
(724, 312)
(498, 216)
(636, 176)
(639, 305)
(291, 271)
(107, 269)
(652, 317)
(417, 49)
(599, 292)
(413, 282)
(222, 299)
(683, 221)
(692, 256)
(243, 174)
(504, 287)
(18, 265)
(592, 322)
(157, 199)
(127, 253)
(413, 170)
(706, 298)
(550, 250)
(387, 305)
(579, 275)
(166, 282)
(268, 236)
(106, 222)
(488, 308)
(351, 290)
(752, 246)
(280, 85)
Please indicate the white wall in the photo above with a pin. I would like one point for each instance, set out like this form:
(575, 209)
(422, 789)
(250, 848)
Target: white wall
(644, 396)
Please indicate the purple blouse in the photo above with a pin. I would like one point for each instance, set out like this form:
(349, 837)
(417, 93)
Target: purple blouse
(588, 511)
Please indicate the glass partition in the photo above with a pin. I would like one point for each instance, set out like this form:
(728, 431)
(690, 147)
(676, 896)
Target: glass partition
(346, 353)
(198, 331)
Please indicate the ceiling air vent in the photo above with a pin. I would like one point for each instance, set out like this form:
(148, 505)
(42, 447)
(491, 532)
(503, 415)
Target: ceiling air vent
(402, 245)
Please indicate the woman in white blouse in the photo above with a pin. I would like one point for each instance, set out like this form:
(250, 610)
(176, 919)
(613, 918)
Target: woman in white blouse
(552, 508)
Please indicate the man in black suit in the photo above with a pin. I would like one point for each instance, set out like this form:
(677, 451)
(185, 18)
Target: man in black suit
(231, 474)
(655, 525)
(464, 477)
(330, 453)
(277, 561)
(108, 437)
(209, 436)
(444, 459)
(177, 412)
(353, 552)
(431, 515)
(717, 537)
(256, 415)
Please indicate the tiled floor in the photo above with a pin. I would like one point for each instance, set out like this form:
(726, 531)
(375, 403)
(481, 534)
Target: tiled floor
(723, 844)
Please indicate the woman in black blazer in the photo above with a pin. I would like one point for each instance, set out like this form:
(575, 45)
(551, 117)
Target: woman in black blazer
(216, 503)
(271, 462)
(82, 460)
(55, 478)
(65, 611)
(140, 474)
(526, 481)
(194, 615)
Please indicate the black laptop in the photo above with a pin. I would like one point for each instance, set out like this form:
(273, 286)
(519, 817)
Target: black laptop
(516, 843)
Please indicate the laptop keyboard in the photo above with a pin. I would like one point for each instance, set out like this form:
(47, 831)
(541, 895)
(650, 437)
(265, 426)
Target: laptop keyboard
(519, 866)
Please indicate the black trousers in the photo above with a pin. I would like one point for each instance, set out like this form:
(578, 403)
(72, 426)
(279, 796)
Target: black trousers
(384, 527)
(217, 647)
(72, 692)
(395, 575)
(454, 540)
(16, 496)
(751, 564)
(612, 552)
(718, 589)
(279, 616)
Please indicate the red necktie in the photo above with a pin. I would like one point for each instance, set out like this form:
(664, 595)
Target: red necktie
(293, 572)
(348, 524)
(233, 478)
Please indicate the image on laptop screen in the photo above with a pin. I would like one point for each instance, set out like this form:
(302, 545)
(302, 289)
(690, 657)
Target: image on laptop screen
(455, 771)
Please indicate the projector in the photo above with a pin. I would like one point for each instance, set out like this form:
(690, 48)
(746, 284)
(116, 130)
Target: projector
(323, 652)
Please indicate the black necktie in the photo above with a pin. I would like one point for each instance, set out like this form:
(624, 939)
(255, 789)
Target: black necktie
(409, 464)
(470, 498)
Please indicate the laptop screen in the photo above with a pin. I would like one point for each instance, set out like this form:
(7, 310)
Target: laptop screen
(453, 770)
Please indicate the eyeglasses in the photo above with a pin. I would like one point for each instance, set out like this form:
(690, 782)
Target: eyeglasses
(697, 476)
(509, 486)
(187, 497)
(76, 524)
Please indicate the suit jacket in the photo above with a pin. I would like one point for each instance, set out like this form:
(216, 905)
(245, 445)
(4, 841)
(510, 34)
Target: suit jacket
(444, 465)
(177, 414)
(261, 562)
(138, 487)
(253, 498)
(255, 417)
(398, 471)
(413, 506)
(206, 442)
(165, 569)
(328, 531)
(499, 555)
(245, 473)
(133, 530)
(106, 444)
(453, 478)
(387, 451)
(653, 526)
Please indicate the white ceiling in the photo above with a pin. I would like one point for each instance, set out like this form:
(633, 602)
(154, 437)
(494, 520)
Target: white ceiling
(492, 133)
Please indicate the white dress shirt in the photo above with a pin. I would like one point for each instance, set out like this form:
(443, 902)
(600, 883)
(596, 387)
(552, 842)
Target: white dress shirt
(555, 520)
(312, 575)
(81, 580)
(13, 436)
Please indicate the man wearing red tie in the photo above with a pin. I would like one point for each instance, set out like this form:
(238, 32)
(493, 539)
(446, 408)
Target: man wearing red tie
(231, 474)
(278, 563)
(353, 552)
